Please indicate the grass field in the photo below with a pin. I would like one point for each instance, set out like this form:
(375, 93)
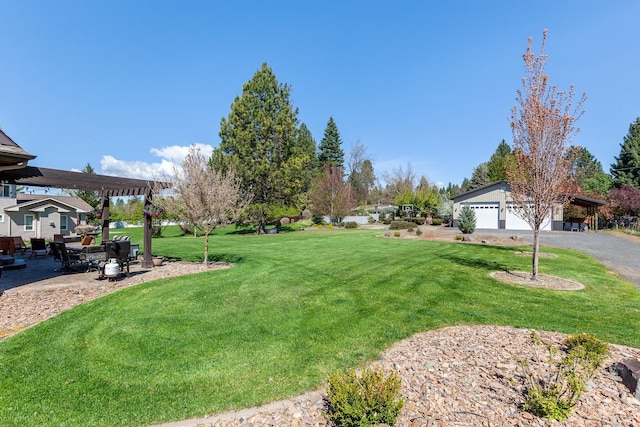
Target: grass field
(296, 307)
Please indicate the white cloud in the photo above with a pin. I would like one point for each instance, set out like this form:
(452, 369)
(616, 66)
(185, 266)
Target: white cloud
(170, 157)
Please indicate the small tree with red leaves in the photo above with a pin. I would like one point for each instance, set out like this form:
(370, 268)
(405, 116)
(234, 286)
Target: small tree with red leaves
(330, 195)
(542, 123)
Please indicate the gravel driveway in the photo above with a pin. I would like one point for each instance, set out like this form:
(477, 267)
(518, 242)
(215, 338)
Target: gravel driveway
(620, 254)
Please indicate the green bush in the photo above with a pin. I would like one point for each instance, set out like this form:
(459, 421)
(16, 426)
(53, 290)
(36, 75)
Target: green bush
(436, 221)
(556, 393)
(467, 220)
(351, 224)
(419, 232)
(410, 229)
(595, 351)
(360, 401)
(418, 220)
(396, 234)
(401, 225)
(318, 219)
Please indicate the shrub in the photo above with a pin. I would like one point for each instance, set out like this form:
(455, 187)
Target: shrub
(459, 236)
(419, 232)
(436, 221)
(467, 220)
(285, 220)
(386, 221)
(351, 224)
(396, 233)
(317, 219)
(418, 220)
(401, 225)
(595, 350)
(566, 376)
(371, 220)
(369, 399)
(410, 229)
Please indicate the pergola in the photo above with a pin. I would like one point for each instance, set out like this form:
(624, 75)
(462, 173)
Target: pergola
(14, 170)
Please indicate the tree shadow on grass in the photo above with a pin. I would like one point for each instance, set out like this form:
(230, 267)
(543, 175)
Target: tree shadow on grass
(230, 258)
(478, 263)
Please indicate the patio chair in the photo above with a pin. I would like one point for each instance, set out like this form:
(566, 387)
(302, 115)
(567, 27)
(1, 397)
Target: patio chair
(38, 248)
(53, 247)
(68, 259)
(58, 238)
(19, 245)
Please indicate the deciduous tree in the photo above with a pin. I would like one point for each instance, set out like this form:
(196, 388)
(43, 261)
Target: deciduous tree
(542, 123)
(203, 196)
(330, 194)
(360, 173)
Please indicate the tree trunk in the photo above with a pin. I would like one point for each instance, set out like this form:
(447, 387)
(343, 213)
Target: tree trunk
(206, 249)
(536, 249)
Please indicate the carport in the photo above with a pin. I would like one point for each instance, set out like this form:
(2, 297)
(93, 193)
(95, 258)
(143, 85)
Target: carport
(591, 205)
(14, 170)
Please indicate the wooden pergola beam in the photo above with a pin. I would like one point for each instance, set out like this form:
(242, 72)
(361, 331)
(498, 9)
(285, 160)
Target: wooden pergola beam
(107, 186)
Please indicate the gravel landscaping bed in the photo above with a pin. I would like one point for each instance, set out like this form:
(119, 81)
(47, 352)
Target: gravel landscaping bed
(460, 376)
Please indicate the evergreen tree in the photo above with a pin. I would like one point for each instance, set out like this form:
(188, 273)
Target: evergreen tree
(467, 220)
(626, 170)
(91, 197)
(479, 177)
(360, 172)
(259, 139)
(588, 174)
(329, 151)
(498, 163)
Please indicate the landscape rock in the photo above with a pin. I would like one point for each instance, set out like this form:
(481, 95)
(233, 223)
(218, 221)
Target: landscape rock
(629, 373)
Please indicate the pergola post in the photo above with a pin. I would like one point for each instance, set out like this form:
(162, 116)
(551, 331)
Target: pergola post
(146, 259)
(105, 217)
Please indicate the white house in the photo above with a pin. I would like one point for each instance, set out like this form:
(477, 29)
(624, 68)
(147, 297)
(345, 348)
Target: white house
(39, 215)
(493, 207)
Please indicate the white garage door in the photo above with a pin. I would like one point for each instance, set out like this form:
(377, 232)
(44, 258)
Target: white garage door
(514, 222)
(487, 214)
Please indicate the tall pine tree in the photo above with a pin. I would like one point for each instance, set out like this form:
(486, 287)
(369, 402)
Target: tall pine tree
(329, 150)
(498, 163)
(259, 138)
(626, 170)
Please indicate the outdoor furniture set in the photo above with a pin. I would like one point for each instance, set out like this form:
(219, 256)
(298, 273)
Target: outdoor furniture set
(109, 258)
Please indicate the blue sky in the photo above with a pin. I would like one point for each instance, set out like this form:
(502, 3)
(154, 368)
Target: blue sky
(127, 86)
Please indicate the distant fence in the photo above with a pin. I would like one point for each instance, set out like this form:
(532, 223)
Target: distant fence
(625, 222)
(358, 219)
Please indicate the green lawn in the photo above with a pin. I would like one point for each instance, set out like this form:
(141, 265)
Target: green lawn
(296, 307)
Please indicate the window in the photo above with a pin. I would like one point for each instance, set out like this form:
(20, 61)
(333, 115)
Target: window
(5, 190)
(28, 222)
(1, 217)
(63, 222)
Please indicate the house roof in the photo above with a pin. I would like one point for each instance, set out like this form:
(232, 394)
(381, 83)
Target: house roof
(39, 202)
(481, 189)
(575, 200)
(71, 201)
(11, 154)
